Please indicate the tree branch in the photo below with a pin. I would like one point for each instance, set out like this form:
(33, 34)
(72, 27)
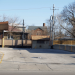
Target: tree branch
(68, 31)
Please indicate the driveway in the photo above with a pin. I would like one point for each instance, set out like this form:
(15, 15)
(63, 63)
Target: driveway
(37, 60)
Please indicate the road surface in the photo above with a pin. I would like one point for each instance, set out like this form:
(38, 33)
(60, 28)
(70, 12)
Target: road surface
(18, 59)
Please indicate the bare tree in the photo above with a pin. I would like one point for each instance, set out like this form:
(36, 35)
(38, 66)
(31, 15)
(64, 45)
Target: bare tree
(68, 16)
(13, 22)
(63, 27)
(48, 22)
(55, 28)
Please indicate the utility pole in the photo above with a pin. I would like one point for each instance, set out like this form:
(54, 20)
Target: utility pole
(23, 29)
(23, 34)
(53, 26)
(50, 30)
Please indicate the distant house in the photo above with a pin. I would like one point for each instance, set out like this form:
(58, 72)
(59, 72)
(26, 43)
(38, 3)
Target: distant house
(40, 42)
(37, 30)
(3, 26)
(9, 32)
(14, 33)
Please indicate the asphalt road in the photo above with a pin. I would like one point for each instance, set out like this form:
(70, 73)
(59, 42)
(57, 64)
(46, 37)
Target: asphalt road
(18, 59)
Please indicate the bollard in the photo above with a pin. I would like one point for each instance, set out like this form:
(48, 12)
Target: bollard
(3, 43)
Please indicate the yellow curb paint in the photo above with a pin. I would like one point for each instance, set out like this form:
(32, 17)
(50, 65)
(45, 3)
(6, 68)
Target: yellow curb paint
(2, 57)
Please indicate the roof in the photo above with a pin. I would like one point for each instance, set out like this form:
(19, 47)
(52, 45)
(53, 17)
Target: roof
(10, 28)
(15, 24)
(36, 27)
(40, 37)
(4, 22)
(3, 26)
(13, 29)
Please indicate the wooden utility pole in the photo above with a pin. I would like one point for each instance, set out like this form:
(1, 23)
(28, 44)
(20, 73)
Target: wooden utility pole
(23, 34)
(53, 25)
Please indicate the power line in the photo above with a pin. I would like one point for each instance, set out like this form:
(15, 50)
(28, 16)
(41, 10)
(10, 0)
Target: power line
(29, 8)
(25, 9)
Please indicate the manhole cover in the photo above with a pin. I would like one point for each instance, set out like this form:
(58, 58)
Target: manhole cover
(34, 57)
(22, 57)
(38, 57)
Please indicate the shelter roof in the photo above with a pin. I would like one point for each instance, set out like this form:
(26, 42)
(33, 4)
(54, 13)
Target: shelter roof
(40, 37)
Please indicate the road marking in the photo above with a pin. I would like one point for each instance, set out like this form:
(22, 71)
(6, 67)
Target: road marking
(2, 57)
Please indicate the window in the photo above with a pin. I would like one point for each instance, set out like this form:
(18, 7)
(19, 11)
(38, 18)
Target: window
(40, 41)
(38, 33)
(24, 37)
(46, 42)
(9, 37)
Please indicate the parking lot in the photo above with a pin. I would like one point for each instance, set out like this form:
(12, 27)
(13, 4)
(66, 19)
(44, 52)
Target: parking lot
(37, 59)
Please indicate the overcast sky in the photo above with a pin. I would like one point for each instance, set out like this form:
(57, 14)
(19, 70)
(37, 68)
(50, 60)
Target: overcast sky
(32, 11)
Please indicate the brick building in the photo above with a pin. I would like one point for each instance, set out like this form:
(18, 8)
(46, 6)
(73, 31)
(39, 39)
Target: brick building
(39, 37)
(37, 30)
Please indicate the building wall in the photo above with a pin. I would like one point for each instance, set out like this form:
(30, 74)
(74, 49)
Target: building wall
(36, 32)
(16, 36)
(0, 42)
(1, 35)
(44, 45)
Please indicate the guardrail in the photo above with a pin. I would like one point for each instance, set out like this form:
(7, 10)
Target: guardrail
(65, 47)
